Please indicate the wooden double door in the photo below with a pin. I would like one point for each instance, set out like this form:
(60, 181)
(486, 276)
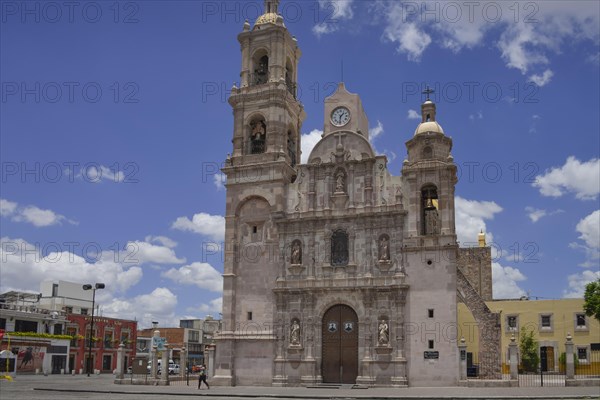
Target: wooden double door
(340, 345)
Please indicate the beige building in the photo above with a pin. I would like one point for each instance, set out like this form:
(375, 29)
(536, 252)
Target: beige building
(336, 271)
(550, 320)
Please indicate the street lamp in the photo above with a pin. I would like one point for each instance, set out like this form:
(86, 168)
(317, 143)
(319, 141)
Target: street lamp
(93, 288)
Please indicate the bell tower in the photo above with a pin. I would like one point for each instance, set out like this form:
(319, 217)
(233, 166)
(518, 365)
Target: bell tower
(431, 175)
(267, 118)
(430, 247)
(267, 115)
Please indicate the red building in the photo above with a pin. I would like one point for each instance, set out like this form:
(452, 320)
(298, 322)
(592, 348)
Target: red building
(108, 334)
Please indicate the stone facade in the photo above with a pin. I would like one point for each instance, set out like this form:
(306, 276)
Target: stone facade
(336, 271)
(476, 265)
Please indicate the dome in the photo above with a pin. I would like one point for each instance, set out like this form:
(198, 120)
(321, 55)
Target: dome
(430, 126)
(267, 18)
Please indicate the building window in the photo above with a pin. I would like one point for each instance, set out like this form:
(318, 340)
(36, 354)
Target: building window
(431, 344)
(512, 323)
(249, 315)
(108, 339)
(72, 331)
(580, 322)
(582, 354)
(69, 310)
(2, 323)
(430, 313)
(84, 311)
(193, 336)
(339, 248)
(546, 322)
(26, 326)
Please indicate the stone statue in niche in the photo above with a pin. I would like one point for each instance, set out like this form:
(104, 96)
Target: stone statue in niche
(431, 218)
(384, 333)
(340, 182)
(384, 249)
(259, 130)
(296, 257)
(295, 333)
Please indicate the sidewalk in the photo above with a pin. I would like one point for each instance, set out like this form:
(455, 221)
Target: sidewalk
(104, 384)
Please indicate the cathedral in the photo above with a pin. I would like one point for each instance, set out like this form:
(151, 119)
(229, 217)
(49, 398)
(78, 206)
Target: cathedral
(336, 271)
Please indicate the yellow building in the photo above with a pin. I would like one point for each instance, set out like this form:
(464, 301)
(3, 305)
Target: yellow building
(550, 320)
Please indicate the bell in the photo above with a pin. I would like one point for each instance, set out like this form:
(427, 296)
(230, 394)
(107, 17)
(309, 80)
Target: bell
(429, 204)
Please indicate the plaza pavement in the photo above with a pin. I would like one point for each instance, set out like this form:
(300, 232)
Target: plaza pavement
(103, 386)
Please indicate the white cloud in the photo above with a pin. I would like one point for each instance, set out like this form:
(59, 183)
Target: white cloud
(159, 305)
(309, 141)
(412, 114)
(98, 173)
(163, 240)
(471, 216)
(535, 214)
(473, 117)
(410, 38)
(38, 217)
(581, 178)
(526, 35)
(31, 214)
(205, 224)
(24, 266)
(504, 282)
(144, 252)
(333, 12)
(7, 208)
(542, 79)
(376, 131)
(517, 45)
(589, 228)
(200, 274)
(214, 306)
(220, 179)
(577, 283)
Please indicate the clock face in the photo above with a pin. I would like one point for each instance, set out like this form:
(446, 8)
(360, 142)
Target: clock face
(340, 116)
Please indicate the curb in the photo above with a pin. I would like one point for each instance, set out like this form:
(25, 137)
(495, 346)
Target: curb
(345, 397)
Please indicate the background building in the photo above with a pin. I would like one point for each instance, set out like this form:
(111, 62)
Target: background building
(550, 320)
(108, 334)
(64, 308)
(177, 340)
(36, 335)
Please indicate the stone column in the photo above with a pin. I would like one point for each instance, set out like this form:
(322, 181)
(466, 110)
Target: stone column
(209, 351)
(164, 368)
(570, 362)
(120, 361)
(153, 362)
(513, 359)
(183, 362)
(462, 364)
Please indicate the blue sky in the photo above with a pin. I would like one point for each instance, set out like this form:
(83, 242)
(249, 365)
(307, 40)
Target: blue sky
(114, 121)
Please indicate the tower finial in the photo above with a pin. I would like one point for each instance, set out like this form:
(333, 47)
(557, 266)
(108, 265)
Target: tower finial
(271, 6)
(481, 239)
(428, 91)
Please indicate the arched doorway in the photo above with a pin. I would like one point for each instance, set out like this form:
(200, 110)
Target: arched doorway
(340, 345)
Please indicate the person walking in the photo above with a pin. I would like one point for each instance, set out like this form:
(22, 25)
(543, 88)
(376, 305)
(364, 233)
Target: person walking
(202, 377)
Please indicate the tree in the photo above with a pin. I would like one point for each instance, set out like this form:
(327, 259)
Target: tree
(529, 351)
(591, 303)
